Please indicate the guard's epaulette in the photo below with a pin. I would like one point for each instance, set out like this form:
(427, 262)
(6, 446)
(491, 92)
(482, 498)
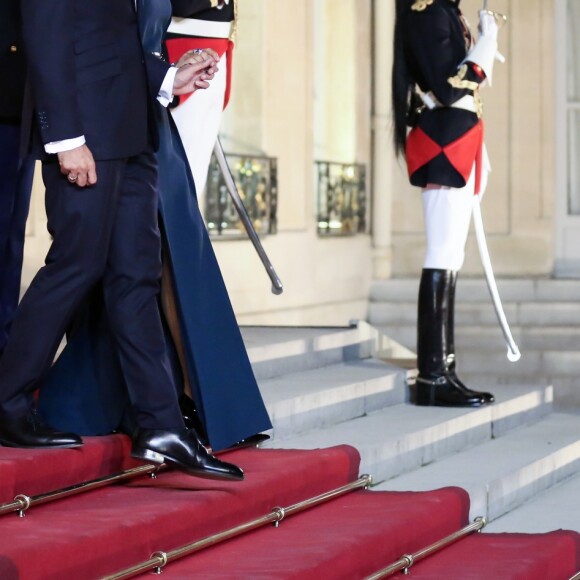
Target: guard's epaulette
(420, 5)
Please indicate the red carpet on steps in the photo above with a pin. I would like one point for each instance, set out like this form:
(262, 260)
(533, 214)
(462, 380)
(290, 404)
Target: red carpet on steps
(349, 538)
(35, 471)
(553, 556)
(362, 533)
(111, 528)
(101, 532)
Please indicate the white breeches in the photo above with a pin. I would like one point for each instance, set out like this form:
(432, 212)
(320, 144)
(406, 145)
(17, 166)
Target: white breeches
(447, 213)
(198, 120)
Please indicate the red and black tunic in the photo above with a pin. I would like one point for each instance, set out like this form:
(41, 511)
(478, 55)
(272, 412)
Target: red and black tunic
(445, 142)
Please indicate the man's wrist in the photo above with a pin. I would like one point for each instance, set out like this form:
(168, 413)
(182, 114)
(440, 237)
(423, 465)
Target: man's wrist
(165, 95)
(64, 145)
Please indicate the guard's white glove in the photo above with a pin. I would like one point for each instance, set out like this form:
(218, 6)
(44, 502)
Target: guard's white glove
(484, 53)
(488, 25)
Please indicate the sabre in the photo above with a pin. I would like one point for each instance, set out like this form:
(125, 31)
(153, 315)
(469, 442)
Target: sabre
(277, 287)
(513, 352)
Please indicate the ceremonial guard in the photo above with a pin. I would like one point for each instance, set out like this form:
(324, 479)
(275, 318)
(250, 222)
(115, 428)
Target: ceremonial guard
(198, 25)
(437, 73)
(15, 175)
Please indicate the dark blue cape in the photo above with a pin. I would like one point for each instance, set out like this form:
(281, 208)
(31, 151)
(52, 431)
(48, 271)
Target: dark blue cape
(85, 392)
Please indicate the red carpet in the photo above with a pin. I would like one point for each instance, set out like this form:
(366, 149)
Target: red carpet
(102, 531)
(34, 471)
(348, 538)
(551, 556)
(106, 530)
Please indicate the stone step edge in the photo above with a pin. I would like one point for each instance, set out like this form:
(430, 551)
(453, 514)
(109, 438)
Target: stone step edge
(360, 367)
(565, 467)
(359, 341)
(334, 400)
(472, 428)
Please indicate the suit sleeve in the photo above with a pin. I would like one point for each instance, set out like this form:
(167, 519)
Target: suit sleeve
(189, 8)
(49, 44)
(429, 36)
(157, 70)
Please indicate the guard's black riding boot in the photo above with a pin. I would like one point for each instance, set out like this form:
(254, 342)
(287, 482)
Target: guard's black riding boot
(434, 386)
(451, 360)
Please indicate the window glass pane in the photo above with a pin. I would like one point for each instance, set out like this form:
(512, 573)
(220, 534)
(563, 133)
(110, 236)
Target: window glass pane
(573, 125)
(573, 50)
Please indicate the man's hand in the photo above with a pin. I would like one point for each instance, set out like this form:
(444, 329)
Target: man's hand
(79, 166)
(197, 55)
(195, 73)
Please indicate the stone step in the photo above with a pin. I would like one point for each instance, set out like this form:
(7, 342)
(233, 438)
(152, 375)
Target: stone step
(467, 313)
(503, 473)
(468, 337)
(404, 437)
(475, 290)
(533, 362)
(276, 351)
(566, 390)
(555, 508)
(313, 399)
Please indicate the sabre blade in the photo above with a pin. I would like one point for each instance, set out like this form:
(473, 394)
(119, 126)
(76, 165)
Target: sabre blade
(277, 287)
(513, 352)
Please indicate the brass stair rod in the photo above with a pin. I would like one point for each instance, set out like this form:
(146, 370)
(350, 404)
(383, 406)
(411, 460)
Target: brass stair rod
(159, 559)
(23, 502)
(408, 560)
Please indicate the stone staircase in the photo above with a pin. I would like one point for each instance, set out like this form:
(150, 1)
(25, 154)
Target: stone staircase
(544, 317)
(326, 386)
(526, 476)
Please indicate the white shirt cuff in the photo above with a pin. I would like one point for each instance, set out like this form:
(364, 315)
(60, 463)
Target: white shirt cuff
(65, 145)
(165, 95)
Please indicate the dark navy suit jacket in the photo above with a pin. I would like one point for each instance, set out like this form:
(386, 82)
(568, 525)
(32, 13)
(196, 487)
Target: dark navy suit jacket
(87, 75)
(15, 174)
(12, 66)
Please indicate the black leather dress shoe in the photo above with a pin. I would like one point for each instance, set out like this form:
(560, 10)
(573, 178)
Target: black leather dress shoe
(30, 432)
(443, 392)
(184, 450)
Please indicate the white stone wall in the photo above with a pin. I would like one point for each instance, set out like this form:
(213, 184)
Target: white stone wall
(304, 117)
